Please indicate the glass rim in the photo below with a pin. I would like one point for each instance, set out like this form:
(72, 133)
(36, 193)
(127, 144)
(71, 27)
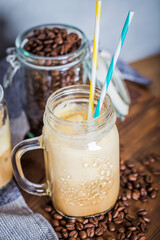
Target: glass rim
(19, 40)
(1, 93)
(107, 116)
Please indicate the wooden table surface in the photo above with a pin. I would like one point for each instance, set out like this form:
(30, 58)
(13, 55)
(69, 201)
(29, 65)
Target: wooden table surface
(139, 133)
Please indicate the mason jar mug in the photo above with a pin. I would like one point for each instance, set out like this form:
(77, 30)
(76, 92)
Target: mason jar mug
(81, 156)
(6, 172)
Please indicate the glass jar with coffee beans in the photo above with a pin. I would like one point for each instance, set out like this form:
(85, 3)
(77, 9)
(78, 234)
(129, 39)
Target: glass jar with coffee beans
(50, 56)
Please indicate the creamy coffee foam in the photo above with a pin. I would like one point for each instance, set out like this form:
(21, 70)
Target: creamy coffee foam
(83, 175)
(5, 153)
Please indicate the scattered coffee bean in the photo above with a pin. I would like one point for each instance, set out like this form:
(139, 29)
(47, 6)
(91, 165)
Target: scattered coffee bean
(111, 227)
(55, 223)
(134, 237)
(82, 234)
(142, 212)
(99, 231)
(48, 209)
(90, 232)
(57, 216)
(146, 219)
(99, 238)
(73, 233)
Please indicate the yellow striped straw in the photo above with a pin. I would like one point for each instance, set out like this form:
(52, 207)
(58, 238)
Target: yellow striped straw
(94, 59)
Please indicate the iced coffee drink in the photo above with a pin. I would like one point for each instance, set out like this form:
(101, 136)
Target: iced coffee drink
(82, 170)
(81, 156)
(5, 146)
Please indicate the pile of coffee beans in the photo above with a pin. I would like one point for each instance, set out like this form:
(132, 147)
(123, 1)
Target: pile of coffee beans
(52, 42)
(40, 83)
(121, 222)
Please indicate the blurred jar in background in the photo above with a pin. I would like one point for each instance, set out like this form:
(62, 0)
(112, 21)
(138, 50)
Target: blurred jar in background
(50, 56)
(5, 143)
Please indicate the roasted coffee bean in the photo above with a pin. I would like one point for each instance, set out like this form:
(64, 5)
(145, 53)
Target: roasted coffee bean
(118, 220)
(128, 234)
(103, 225)
(134, 237)
(121, 215)
(136, 184)
(85, 221)
(101, 217)
(153, 194)
(99, 231)
(142, 227)
(115, 213)
(155, 186)
(73, 233)
(132, 177)
(121, 236)
(109, 216)
(70, 226)
(129, 185)
(130, 217)
(143, 192)
(130, 164)
(80, 220)
(146, 161)
(59, 234)
(149, 179)
(128, 194)
(90, 232)
(58, 229)
(63, 222)
(135, 194)
(111, 227)
(88, 225)
(142, 238)
(99, 238)
(94, 220)
(144, 199)
(82, 234)
(55, 223)
(57, 216)
(121, 208)
(111, 238)
(146, 219)
(121, 229)
(79, 226)
(142, 212)
(122, 167)
(132, 228)
(65, 235)
(126, 203)
(72, 220)
(48, 209)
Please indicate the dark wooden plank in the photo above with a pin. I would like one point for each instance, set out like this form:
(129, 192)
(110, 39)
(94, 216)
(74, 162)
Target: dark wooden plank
(140, 134)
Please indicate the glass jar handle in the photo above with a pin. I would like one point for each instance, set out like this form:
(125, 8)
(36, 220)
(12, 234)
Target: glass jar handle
(17, 153)
(12, 69)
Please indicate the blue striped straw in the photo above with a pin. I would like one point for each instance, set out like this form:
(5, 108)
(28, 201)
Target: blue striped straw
(113, 63)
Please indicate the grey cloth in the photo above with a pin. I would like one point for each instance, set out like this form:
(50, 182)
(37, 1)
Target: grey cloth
(17, 221)
(131, 74)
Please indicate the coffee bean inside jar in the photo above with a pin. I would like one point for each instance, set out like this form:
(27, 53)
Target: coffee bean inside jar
(51, 57)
